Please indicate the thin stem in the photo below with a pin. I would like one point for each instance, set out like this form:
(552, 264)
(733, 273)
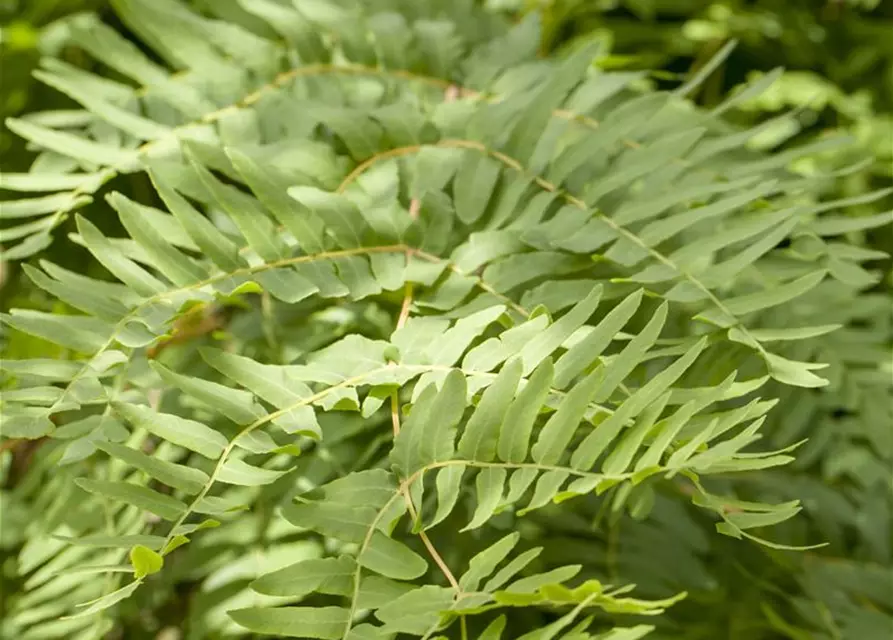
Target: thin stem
(408, 292)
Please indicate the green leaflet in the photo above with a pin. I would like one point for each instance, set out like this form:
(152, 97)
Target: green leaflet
(575, 360)
(488, 487)
(535, 582)
(145, 561)
(631, 355)
(556, 434)
(391, 558)
(179, 268)
(763, 300)
(595, 444)
(475, 181)
(186, 433)
(245, 212)
(238, 472)
(120, 265)
(160, 504)
(83, 298)
(517, 425)
(327, 575)
(274, 384)
(27, 208)
(547, 487)
(123, 119)
(348, 506)
(549, 340)
(74, 146)
(45, 182)
(429, 433)
(449, 349)
(106, 601)
(511, 569)
(179, 476)
(270, 188)
(80, 333)
(238, 406)
(485, 562)
(449, 486)
(482, 431)
(416, 611)
(222, 251)
(326, 623)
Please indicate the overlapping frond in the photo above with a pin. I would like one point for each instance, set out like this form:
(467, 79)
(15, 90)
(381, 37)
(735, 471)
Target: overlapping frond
(468, 284)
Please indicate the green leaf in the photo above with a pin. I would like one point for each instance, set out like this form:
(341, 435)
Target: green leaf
(449, 349)
(188, 479)
(80, 333)
(186, 433)
(707, 69)
(475, 182)
(391, 558)
(26, 208)
(598, 441)
(773, 297)
(270, 187)
(180, 269)
(494, 629)
(349, 505)
(251, 220)
(575, 360)
(429, 433)
(484, 563)
(145, 561)
(481, 435)
(620, 366)
(326, 623)
(238, 406)
(272, 383)
(794, 372)
(162, 505)
(514, 435)
(212, 242)
(533, 583)
(238, 472)
(547, 487)
(416, 611)
(116, 542)
(326, 575)
(106, 601)
(558, 431)
(128, 121)
(449, 486)
(788, 333)
(488, 487)
(33, 182)
(548, 341)
(120, 265)
(510, 570)
(68, 144)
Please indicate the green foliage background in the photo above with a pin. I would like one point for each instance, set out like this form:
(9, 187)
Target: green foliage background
(838, 75)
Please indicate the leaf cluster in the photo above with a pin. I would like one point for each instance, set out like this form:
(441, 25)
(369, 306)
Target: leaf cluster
(404, 325)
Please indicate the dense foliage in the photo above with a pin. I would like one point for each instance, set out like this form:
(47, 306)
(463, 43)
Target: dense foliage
(396, 319)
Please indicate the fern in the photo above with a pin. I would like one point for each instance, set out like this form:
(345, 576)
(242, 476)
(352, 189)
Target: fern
(449, 284)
